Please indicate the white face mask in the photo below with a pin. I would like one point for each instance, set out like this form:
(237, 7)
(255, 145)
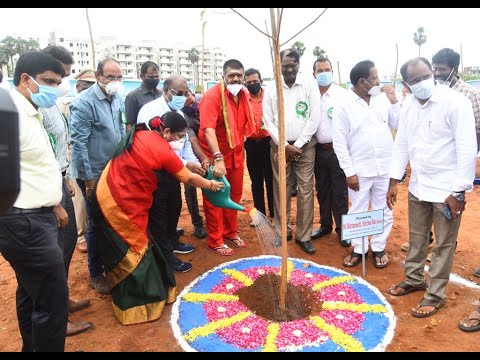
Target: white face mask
(176, 145)
(64, 88)
(234, 88)
(113, 88)
(375, 91)
(424, 89)
(446, 82)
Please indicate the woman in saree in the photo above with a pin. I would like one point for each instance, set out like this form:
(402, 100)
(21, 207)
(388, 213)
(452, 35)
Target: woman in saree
(140, 279)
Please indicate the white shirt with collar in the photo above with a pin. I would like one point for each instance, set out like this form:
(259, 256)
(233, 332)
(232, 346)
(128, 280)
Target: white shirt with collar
(158, 107)
(301, 106)
(40, 175)
(362, 137)
(438, 138)
(329, 100)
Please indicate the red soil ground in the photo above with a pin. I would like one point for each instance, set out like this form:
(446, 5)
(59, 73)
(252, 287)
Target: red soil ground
(436, 333)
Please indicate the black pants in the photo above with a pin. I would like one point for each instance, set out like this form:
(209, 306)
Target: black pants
(260, 170)
(192, 204)
(30, 244)
(164, 213)
(67, 238)
(332, 191)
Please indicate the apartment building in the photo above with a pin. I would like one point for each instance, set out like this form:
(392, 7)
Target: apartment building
(213, 65)
(80, 49)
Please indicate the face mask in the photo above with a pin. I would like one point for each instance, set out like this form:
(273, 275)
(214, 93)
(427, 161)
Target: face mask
(254, 89)
(325, 78)
(375, 91)
(234, 88)
(64, 87)
(46, 96)
(176, 145)
(113, 88)
(424, 89)
(445, 82)
(151, 84)
(177, 102)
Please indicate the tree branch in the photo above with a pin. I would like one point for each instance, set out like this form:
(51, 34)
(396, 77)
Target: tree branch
(279, 24)
(306, 27)
(244, 18)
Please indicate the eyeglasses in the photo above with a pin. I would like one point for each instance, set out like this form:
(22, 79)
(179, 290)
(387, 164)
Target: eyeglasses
(113, 78)
(180, 93)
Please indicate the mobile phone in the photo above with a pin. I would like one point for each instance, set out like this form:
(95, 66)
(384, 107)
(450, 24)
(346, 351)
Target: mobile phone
(447, 212)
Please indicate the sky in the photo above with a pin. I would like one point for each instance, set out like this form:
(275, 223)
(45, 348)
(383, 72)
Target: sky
(347, 35)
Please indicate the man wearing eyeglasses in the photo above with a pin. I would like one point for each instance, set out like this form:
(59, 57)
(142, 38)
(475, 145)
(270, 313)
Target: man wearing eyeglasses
(167, 199)
(97, 126)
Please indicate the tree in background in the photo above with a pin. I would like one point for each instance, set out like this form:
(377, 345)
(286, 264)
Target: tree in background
(319, 53)
(420, 38)
(193, 57)
(10, 47)
(300, 47)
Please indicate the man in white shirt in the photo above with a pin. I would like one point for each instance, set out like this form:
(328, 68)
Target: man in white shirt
(332, 190)
(302, 114)
(437, 135)
(363, 142)
(29, 232)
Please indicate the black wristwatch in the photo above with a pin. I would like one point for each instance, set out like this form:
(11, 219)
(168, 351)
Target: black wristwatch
(459, 195)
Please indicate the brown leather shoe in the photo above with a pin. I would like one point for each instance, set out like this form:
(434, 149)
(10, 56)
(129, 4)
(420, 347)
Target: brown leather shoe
(77, 327)
(76, 305)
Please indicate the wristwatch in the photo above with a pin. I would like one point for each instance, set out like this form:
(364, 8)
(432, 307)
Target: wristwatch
(459, 196)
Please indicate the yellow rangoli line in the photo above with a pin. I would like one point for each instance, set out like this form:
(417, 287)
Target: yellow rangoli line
(363, 308)
(273, 329)
(210, 328)
(199, 298)
(335, 281)
(349, 343)
(237, 275)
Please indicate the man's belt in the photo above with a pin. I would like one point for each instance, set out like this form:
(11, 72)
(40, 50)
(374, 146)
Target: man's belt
(42, 210)
(326, 146)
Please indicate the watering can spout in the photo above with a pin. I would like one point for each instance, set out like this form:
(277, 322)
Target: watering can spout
(221, 198)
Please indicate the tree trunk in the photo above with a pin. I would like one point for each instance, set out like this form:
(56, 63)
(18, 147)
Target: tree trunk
(94, 65)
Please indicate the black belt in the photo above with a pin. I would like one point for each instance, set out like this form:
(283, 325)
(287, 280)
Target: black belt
(326, 146)
(42, 210)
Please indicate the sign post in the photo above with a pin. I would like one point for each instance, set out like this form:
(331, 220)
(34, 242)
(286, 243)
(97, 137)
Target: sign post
(362, 225)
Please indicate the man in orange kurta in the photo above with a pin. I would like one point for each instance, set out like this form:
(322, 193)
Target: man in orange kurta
(225, 120)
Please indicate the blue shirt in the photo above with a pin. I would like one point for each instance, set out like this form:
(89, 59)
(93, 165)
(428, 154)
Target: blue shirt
(96, 130)
(186, 153)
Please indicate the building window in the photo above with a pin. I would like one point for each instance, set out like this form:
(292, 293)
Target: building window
(60, 39)
(71, 44)
(73, 71)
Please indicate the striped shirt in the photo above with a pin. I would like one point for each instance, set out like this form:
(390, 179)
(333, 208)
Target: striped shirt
(56, 127)
(473, 95)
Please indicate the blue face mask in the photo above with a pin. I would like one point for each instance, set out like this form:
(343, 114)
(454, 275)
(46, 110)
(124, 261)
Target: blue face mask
(46, 96)
(177, 103)
(325, 78)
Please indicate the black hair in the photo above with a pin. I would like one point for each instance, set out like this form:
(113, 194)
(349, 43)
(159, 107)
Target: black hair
(174, 121)
(60, 53)
(147, 65)
(361, 71)
(292, 53)
(233, 64)
(322, 59)
(413, 62)
(34, 63)
(102, 63)
(447, 56)
(253, 71)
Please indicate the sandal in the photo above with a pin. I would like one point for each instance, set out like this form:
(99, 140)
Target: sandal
(379, 255)
(407, 289)
(354, 255)
(436, 304)
(477, 272)
(223, 250)
(236, 242)
(473, 317)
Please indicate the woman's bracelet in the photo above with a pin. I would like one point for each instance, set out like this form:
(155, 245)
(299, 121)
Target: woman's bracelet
(217, 153)
(211, 185)
(218, 159)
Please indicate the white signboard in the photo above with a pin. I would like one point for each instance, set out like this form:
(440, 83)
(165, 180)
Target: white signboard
(362, 224)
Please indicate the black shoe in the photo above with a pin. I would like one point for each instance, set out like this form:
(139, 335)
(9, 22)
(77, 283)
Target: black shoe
(289, 237)
(181, 248)
(345, 243)
(316, 234)
(200, 232)
(294, 192)
(179, 231)
(181, 267)
(306, 246)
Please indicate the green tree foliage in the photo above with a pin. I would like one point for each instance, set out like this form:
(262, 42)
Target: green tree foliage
(10, 46)
(193, 57)
(319, 53)
(300, 47)
(420, 38)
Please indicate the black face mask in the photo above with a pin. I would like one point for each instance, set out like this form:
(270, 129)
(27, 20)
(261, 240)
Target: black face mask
(151, 84)
(254, 89)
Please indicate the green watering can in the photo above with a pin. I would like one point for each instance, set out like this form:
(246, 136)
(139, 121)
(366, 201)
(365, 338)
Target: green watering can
(221, 198)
